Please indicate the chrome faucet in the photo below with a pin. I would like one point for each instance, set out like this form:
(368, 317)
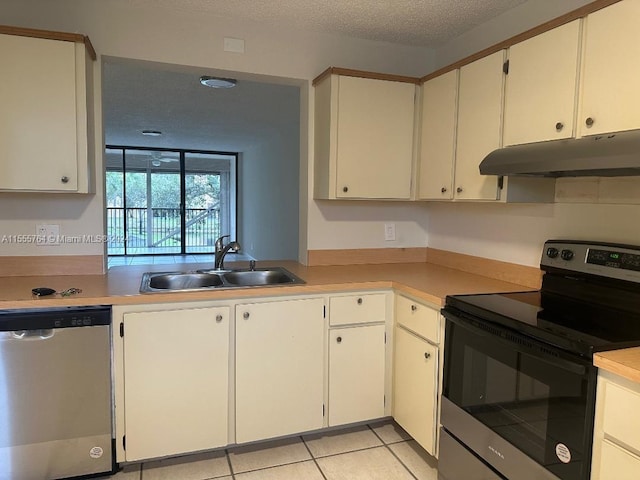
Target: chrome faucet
(221, 250)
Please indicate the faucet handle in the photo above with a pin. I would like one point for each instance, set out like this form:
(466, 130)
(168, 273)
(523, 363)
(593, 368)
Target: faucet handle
(252, 265)
(220, 241)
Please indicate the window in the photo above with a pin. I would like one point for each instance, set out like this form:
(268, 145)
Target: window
(162, 201)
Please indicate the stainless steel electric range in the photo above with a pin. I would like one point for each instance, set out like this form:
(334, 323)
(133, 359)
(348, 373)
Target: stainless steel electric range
(519, 381)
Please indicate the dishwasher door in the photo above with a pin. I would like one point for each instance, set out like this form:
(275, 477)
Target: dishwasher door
(55, 399)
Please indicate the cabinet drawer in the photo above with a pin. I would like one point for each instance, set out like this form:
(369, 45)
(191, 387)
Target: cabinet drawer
(357, 309)
(620, 417)
(423, 320)
(616, 463)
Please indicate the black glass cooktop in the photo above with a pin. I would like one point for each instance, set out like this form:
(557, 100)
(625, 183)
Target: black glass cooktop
(583, 323)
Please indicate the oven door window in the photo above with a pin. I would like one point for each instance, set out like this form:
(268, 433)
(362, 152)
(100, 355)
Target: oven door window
(536, 405)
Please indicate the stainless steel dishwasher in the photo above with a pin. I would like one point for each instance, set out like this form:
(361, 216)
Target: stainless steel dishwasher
(55, 393)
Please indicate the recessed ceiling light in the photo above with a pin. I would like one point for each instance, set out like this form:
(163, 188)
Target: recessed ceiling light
(217, 82)
(151, 133)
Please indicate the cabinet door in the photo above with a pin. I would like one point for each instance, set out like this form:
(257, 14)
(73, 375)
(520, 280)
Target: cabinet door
(356, 374)
(610, 94)
(415, 387)
(38, 130)
(479, 126)
(617, 463)
(279, 368)
(375, 138)
(437, 145)
(176, 365)
(540, 90)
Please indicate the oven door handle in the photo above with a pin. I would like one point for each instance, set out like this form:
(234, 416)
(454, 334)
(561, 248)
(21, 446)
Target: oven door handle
(521, 343)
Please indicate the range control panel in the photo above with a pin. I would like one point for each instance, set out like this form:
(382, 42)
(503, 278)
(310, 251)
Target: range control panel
(603, 259)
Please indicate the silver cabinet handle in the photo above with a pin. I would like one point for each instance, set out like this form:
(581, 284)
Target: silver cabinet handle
(64, 179)
(218, 318)
(459, 189)
(589, 121)
(559, 126)
(345, 189)
(427, 355)
(339, 339)
(360, 301)
(443, 189)
(245, 315)
(414, 308)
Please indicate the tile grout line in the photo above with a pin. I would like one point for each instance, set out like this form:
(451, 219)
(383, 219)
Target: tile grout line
(313, 457)
(226, 454)
(386, 445)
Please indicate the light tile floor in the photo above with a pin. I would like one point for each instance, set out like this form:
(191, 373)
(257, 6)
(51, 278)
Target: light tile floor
(379, 451)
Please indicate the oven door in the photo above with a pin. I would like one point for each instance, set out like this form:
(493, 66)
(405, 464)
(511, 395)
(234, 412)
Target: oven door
(524, 407)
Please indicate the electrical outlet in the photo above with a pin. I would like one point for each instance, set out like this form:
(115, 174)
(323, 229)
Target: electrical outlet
(389, 231)
(47, 234)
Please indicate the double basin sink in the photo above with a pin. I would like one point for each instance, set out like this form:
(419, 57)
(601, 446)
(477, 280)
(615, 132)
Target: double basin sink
(216, 279)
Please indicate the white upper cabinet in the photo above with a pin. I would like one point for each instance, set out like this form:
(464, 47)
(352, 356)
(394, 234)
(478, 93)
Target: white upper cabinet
(438, 137)
(479, 126)
(540, 90)
(611, 69)
(45, 134)
(363, 138)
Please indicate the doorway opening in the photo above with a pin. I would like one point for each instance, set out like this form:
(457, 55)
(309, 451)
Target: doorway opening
(169, 201)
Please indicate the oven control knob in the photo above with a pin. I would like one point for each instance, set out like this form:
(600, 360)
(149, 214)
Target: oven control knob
(566, 254)
(552, 252)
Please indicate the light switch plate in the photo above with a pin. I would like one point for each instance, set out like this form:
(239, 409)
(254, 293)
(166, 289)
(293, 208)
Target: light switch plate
(235, 45)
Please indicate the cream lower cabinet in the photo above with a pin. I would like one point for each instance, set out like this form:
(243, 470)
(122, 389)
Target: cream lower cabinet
(279, 368)
(356, 374)
(176, 381)
(416, 371)
(46, 132)
(616, 446)
(357, 357)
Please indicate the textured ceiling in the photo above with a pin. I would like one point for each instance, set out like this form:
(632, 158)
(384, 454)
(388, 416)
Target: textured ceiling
(412, 22)
(144, 96)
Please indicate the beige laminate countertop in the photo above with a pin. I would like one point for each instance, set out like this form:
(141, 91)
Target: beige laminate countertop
(624, 362)
(120, 285)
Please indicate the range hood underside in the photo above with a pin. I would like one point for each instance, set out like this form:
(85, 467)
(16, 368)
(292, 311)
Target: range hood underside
(615, 155)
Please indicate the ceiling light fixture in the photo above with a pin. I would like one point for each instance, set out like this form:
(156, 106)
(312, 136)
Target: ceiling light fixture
(151, 133)
(217, 82)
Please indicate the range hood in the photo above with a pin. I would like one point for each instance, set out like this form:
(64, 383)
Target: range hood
(614, 155)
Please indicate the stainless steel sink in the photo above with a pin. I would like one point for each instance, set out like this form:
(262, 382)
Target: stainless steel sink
(213, 279)
(182, 281)
(267, 276)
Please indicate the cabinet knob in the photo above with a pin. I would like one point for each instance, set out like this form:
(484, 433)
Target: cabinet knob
(245, 315)
(360, 301)
(339, 339)
(414, 308)
(345, 189)
(459, 189)
(427, 355)
(589, 121)
(64, 179)
(218, 318)
(443, 189)
(559, 126)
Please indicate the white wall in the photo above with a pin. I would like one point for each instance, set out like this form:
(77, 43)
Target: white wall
(515, 233)
(119, 28)
(517, 20)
